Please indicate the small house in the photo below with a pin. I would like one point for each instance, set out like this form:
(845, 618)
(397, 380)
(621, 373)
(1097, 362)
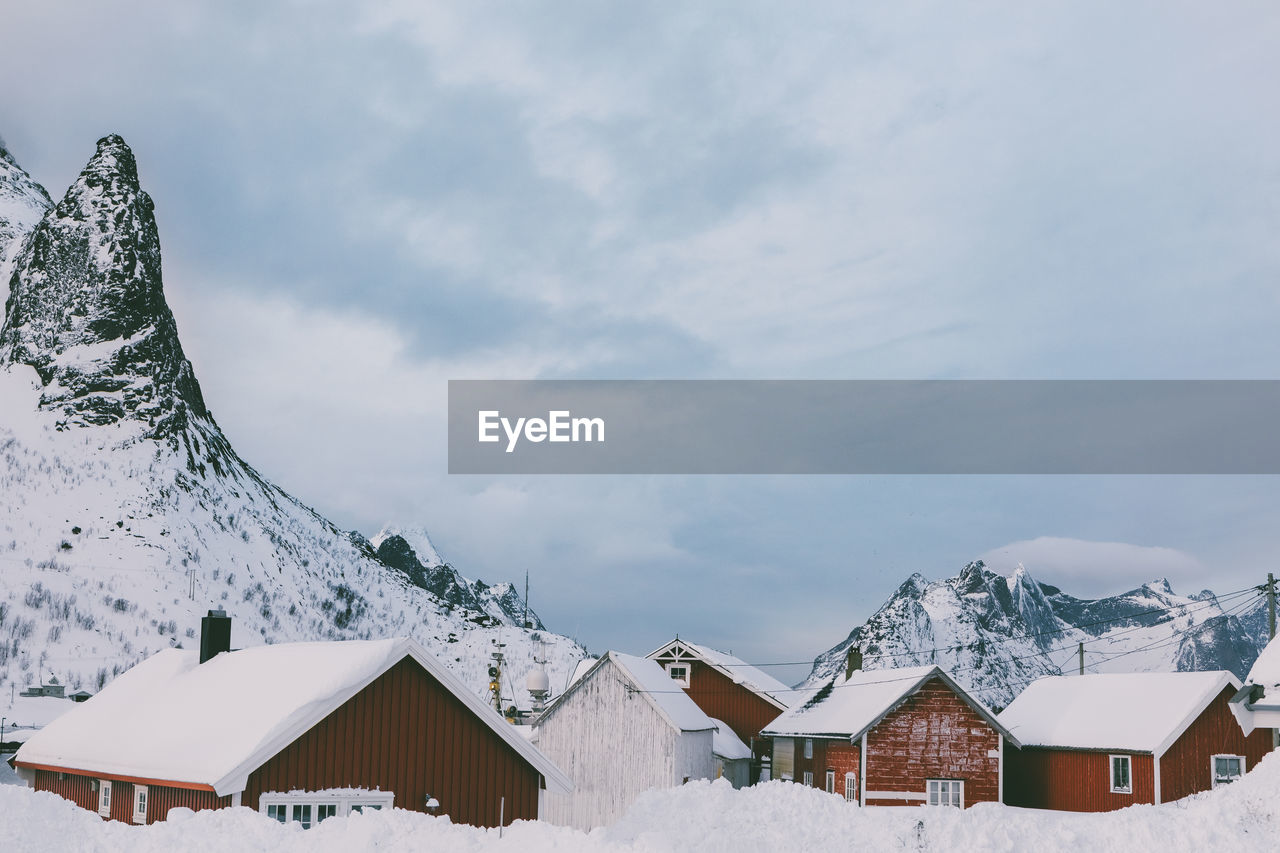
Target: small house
(298, 731)
(1256, 705)
(1099, 742)
(623, 728)
(892, 737)
(726, 688)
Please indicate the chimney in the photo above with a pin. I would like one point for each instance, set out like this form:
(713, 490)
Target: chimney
(852, 662)
(215, 634)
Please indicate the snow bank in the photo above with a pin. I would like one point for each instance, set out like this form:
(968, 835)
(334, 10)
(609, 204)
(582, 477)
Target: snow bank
(702, 816)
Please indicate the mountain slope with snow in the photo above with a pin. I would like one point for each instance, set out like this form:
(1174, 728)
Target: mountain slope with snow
(127, 513)
(996, 634)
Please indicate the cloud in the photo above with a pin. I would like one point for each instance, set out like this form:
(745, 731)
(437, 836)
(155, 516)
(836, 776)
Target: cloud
(1084, 569)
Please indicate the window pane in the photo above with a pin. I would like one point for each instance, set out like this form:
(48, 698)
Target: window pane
(324, 811)
(302, 814)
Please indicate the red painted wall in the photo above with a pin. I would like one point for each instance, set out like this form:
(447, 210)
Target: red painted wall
(1184, 768)
(1072, 780)
(933, 735)
(407, 733)
(78, 789)
(720, 697)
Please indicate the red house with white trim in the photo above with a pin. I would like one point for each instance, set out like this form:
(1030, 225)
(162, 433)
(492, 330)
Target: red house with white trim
(893, 737)
(730, 690)
(298, 731)
(1100, 742)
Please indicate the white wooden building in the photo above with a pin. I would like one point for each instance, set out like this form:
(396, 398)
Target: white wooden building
(622, 729)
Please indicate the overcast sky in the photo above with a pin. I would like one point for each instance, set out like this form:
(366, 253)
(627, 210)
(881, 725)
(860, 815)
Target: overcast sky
(358, 202)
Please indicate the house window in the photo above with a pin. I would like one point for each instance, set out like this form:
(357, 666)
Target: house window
(1226, 768)
(139, 803)
(831, 781)
(946, 792)
(308, 808)
(104, 798)
(1121, 777)
(850, 788)
(808, 778)
(808, 747)
(679, 673)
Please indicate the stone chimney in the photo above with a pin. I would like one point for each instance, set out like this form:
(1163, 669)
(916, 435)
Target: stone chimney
(215, 634)
(852, 662)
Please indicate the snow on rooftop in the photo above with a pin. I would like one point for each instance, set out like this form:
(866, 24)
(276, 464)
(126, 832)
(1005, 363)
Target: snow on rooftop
(34, 711)
(845, 708)
(726, 744)
(1138, 711)
(743, 673)
(1266, 669)
(580, 670)
(667, 694)
(144, 722)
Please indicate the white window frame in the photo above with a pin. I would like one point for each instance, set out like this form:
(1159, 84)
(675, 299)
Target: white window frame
(687, 666)
(851, 787)
(346, 801)
(934, 794)
(1213, 769)
(1111, 773)
(139, 803)
(808, 749)
(808, 778)
(831, 781)
(104, 797)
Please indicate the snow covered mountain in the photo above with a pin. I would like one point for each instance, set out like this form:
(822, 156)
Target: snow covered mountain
(996, 634)
(125, 513)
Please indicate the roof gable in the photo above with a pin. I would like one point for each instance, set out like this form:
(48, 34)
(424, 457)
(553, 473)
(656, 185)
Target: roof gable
(1135, 712)
(650, 681)
(213, 724)
(736, 670)
(849, 707)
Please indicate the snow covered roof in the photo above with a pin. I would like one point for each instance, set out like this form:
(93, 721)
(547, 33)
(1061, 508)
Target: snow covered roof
(669, 697)
(1266, 669)
(846, 708)
(727, 745)
(171, 718)
(737, 670)
(1137, 711)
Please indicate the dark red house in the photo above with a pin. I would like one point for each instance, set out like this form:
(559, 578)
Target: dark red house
(728, 689)
(1094, 743)
(298, 731)
(893, 737)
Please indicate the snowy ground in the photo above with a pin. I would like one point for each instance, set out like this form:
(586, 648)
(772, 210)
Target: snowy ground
(697, 817)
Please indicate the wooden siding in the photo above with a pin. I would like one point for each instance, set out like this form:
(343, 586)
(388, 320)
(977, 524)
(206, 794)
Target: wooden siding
(718, 696)
(160, 798)
(614, 745)
(1184, 768)
(934, 734)
(839, 756)
(1072, 780)
(408, 734)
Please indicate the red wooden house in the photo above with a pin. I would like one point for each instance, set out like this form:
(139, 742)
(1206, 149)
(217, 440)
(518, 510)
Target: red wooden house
(1095, 743)
(728, 689)
(298, 731)
(893, 737)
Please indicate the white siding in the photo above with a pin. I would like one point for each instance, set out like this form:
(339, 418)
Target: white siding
(614, 745)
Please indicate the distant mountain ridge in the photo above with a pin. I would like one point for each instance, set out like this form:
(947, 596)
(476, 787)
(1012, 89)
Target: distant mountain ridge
(995, 634)
(126, 511)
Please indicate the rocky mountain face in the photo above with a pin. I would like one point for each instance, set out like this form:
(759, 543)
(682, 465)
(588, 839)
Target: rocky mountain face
(996, 634)
(126, 511)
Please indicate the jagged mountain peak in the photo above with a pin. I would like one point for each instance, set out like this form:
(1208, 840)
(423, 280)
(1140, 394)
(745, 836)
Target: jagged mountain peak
(997, 633)
(86, 307)
(23, 203)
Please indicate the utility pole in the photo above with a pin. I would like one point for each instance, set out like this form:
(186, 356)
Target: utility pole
(1080, 651)
(1271, 604)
